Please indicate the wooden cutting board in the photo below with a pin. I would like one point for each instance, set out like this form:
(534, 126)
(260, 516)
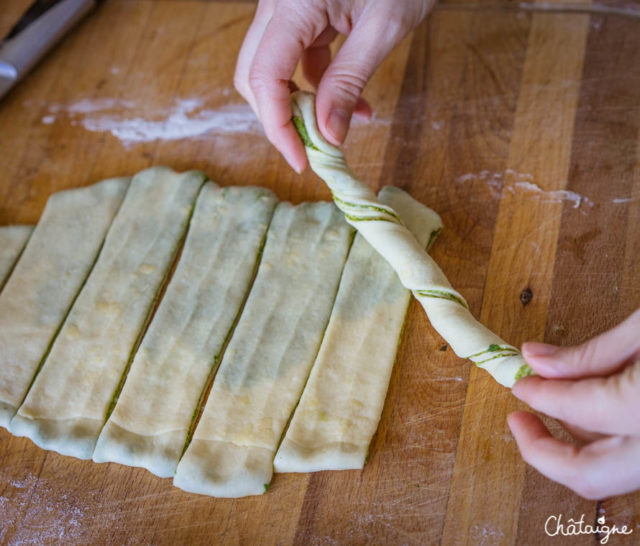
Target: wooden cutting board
(520, 127)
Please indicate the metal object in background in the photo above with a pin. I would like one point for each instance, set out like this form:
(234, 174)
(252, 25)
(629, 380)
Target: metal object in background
(37, 31)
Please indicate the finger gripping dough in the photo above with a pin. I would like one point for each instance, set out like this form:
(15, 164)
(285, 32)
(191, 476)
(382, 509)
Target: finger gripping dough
(380, 226)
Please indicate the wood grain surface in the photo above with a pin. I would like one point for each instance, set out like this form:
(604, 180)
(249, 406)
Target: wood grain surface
(519, 124)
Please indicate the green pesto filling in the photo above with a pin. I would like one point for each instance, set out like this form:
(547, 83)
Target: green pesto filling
(433, 236)
(503, 352)
(524, 371)
(302, 131)
(367, 207)
(367, 218)
(500, 355)
(441, 295)
(266, 487)
(492, 349)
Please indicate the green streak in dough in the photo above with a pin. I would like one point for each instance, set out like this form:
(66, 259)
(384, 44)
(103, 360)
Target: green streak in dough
(433, 236)
(494, 348)
(503, 352)
(440, 294)
(367, 207)
(218, 357)
(368, 218)
(501, 355)
(302, 131)
(155, 301)
(524, 371)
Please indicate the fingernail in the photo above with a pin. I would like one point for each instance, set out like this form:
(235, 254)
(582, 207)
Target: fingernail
(539, 349)
(298, 168)
(295, 163)
(337, 124)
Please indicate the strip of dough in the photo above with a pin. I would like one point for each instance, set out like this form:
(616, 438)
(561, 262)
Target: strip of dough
(45, 281)
(12, 241)
(71, 396)
(380, 226)
(341, 405)
(181, 348)
(267, 362)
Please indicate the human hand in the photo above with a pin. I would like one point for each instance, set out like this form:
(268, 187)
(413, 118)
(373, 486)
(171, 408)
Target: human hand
(594, 389)
(284, 32)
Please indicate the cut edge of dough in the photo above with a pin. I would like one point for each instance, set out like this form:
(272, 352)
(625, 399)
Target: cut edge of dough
(7, 411)
(73, 437)
(119, 445)
(232, 470)
(293, 457)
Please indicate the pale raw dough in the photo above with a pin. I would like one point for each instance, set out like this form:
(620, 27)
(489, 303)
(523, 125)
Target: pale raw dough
(71, 396)
(12, 241)
(379, 225)
(341, 405)
(268, 359)
(47, 278)
(181, 349)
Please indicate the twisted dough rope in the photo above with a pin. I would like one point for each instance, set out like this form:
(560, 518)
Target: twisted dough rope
(381, 227)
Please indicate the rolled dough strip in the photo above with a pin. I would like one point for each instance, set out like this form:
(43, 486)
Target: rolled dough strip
(71, 396)
(267, 362)
(12, 241)
(46, 279)
(181, 348)
(342, 401)
(380, 226)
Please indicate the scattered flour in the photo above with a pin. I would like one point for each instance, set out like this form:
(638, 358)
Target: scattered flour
(21, 484)
(185, 118)
(179, 123)
(64, 520)
(554, 195)
(481, 535)
(88, 106)
(522, 184)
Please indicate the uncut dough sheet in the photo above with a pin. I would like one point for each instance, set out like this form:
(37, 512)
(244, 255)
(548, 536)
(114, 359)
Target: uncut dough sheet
(180, 351)
(341, 405)
(69, 400)
(267, 362)
(12, 241)
(43, 284)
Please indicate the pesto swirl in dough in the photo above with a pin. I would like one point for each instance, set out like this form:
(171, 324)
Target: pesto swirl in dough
(381, 227)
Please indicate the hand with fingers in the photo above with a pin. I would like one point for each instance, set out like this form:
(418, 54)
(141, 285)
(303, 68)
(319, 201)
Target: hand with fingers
(594, 389)
(284, 32)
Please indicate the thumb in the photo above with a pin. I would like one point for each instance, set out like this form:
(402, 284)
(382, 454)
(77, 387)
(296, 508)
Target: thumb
(601, 355)
(370, 41)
